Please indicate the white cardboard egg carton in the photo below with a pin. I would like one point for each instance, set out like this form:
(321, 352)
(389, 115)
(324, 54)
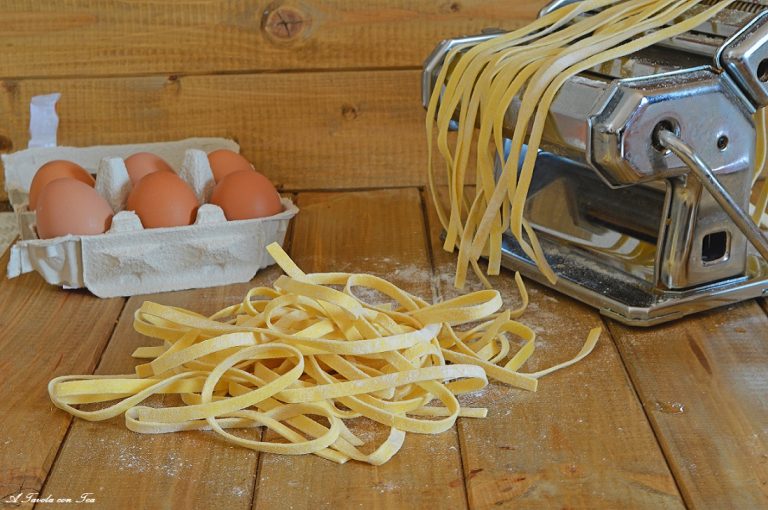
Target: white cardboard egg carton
(129, 259)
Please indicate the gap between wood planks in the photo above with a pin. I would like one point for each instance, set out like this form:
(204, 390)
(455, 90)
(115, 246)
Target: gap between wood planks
(287, 245)
(437, 294)
(174, 75)
(72, 418)
(381, 233)
(27, 305)
(607, 329)
(702, 384)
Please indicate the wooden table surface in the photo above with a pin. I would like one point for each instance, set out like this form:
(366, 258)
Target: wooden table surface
(671, 417)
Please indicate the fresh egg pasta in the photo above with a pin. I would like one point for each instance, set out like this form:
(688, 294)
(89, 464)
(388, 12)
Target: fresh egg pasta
(479, 83)
(306, 355)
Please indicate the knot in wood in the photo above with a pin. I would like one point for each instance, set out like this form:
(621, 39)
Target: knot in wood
(6, 144)
(349, 111)
(284, 22)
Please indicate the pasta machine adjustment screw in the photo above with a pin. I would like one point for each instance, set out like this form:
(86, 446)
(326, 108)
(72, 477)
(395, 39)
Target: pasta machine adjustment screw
(621, 143)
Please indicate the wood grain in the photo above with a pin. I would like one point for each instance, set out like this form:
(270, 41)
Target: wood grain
(113, 37)
(582, 440)
(703, 382)
(129, 470)
(183, 470)
(46, 332)
(382, 233)
(304, 131)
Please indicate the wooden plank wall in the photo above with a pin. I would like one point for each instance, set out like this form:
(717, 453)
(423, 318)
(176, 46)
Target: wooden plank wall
(321, 94)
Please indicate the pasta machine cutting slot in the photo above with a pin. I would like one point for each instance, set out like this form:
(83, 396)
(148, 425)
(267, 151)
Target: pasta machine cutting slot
(642, 184)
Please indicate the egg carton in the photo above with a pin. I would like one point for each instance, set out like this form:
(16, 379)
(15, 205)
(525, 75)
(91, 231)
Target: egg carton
(129, 259)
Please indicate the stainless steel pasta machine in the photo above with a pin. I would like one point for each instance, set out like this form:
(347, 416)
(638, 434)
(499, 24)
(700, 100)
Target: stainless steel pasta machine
(643, 181)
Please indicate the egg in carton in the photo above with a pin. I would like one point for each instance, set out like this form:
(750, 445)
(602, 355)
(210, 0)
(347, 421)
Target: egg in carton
(129, 259)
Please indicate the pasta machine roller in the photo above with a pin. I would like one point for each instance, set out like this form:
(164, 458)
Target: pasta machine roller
(643, 180)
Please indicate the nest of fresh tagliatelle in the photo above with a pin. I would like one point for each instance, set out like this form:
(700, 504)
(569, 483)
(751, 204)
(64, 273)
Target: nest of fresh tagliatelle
(307, 355)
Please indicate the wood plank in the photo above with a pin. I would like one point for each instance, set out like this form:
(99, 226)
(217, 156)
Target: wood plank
(382, 233)
(304, 131)
(582, 440)
(46, 332)
(114, 37)
(703, 381)
(183, 470)
(122, 469)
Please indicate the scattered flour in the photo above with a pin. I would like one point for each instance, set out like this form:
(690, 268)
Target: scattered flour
(150, 455)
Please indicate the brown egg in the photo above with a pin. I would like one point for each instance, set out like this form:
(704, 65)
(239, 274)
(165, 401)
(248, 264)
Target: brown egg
(143, 163)
(69, 206)
(224, 162)
(246, 194)
(56, 170)
(163, 199)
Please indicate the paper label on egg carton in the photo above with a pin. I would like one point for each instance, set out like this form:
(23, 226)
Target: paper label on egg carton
(129, 259)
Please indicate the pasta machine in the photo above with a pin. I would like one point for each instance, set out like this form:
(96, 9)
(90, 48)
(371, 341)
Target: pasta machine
(642, 185)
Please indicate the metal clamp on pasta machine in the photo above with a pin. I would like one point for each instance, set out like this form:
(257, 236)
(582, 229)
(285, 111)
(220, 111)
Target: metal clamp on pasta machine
(643, 182)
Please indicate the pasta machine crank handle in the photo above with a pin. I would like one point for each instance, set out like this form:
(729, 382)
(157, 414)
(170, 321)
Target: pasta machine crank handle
(710, 182)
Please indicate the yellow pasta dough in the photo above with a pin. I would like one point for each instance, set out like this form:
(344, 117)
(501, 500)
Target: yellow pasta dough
(307, 354)
(531, 64)
(761, 163)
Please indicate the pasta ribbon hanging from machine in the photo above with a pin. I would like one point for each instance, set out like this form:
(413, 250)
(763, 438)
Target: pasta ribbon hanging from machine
(477, 84)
